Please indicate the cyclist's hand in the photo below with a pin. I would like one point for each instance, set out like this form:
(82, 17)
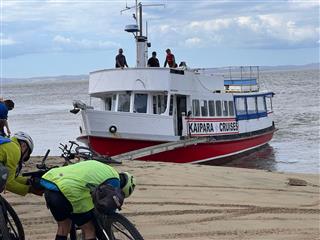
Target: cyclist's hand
(36, 191)
(34, 182)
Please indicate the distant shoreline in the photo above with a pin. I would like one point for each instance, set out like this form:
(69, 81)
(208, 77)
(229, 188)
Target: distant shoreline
(85, 77)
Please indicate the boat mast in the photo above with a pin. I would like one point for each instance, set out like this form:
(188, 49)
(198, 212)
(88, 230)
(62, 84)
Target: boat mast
(137, 30)
(141, 41)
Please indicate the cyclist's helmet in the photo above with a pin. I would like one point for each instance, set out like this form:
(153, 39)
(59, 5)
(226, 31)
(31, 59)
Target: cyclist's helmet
(127, 183)
(22, 136)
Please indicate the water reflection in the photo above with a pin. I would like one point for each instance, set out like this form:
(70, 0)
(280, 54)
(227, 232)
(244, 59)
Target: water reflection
(262, 158)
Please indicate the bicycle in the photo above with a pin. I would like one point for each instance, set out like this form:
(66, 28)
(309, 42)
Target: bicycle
(113, 226)
(81, 152)
(10, 224)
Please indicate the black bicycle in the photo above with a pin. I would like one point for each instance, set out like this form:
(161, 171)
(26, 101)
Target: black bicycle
(75, 151)
(113, 226)
(10, 224)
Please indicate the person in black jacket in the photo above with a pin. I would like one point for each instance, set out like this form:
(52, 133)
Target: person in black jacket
(121, 61)
(153, 61)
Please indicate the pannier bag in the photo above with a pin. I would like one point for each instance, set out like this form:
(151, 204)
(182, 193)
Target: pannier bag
(4, 173)
(107, 199)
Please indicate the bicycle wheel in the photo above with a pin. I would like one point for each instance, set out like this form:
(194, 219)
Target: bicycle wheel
(4, 231)
(118, 227)
(12, 222)
(88, 154)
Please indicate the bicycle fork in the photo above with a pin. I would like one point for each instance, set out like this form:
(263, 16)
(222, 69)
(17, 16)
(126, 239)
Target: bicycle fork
(100, 232)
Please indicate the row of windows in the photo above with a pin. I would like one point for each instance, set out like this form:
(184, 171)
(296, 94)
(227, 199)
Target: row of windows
(250, 105)
(140, 103)
(212, 108)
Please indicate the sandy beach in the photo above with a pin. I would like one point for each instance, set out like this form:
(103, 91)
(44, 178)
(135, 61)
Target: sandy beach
(184, 201)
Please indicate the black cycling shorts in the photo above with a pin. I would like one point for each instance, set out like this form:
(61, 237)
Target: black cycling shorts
(61, 208)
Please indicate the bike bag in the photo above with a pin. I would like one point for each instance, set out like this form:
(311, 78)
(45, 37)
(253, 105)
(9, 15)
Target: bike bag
(107, 199)
(4, 173)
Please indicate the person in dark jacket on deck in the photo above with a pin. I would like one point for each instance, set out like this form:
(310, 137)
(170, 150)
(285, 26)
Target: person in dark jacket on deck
(121, 61)
(153, 61)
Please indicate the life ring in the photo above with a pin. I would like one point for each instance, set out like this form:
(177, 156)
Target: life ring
(113, 129)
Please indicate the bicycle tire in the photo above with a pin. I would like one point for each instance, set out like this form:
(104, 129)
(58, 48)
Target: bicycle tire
(4, 231)
(116, 225)
(88, 154)
(16, 231)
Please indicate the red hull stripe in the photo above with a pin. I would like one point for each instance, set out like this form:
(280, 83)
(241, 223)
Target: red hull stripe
(193, 153)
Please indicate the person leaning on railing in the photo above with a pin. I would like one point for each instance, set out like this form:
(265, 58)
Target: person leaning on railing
(13, 152)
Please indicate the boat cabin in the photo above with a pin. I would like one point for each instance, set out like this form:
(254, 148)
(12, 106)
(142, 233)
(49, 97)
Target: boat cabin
(177, 96)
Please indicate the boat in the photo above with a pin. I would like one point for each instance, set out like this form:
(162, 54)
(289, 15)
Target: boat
(180, 115)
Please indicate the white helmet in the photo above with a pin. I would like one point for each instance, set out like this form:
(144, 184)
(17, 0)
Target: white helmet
(22, 136)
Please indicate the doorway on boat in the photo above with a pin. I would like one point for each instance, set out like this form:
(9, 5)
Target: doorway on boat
(181, 107)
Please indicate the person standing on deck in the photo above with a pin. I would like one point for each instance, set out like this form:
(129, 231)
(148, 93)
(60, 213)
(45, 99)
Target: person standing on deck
(121, 61)
(153, 61)
(170, 59)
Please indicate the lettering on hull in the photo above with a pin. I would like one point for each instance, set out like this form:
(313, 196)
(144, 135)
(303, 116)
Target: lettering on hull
(212, 127)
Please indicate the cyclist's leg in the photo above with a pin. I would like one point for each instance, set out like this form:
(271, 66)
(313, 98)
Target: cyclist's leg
(84, 221)
(61, 210)
(64, 227)
(88, 230)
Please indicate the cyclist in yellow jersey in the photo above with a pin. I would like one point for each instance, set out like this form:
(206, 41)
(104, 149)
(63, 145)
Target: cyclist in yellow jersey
(68, 195)
(13, 152)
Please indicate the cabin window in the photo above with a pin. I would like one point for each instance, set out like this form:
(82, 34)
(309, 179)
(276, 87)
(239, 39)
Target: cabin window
(140, 103)
(124, 102)
(241, 105)
(261, 104)
(211, 108)
(251, 105)
(114, 100)
(225, 108)
(159, 104)
(195, 107)
(171, 105)
(231, 108)
(218, 108)
(204, 108)
(269, 103)
(108, 103)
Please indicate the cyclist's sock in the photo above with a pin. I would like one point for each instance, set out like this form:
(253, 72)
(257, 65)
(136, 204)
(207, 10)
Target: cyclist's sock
(59, 237)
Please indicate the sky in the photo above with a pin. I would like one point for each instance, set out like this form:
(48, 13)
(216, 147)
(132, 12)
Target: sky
(72, 37)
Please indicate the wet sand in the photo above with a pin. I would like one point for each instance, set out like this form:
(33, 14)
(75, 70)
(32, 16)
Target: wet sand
(185, 201)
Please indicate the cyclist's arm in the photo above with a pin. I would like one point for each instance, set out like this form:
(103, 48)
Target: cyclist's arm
(7, 127)
(22, 180)
(15, 185)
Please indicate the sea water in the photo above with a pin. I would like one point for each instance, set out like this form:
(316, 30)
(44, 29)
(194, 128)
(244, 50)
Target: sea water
(42, 110)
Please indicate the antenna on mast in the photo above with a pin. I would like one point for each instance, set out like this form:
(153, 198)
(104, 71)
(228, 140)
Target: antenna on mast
(141, 41)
